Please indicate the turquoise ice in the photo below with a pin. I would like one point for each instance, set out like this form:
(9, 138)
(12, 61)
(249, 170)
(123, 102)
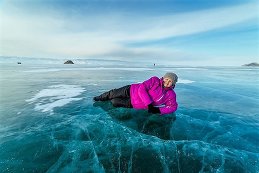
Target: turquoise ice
(49, 123)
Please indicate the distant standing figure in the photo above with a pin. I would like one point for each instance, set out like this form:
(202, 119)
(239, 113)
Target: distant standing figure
(155, 94)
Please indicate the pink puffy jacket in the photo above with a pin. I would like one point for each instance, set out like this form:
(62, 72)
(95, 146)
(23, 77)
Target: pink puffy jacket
(152, 91)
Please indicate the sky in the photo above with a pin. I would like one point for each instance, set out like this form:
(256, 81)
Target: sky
(175, 32)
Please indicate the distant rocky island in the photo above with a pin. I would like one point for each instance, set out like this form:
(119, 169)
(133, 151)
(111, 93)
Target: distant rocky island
(68, 62)
(253, 64)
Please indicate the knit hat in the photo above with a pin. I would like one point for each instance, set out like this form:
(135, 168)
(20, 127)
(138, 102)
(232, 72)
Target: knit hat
(171, 76)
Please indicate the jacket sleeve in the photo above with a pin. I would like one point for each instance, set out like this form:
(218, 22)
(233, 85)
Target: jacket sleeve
(170, 106)
(145, 87)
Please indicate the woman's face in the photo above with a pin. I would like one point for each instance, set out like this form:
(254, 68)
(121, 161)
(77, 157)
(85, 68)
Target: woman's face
(167, 82)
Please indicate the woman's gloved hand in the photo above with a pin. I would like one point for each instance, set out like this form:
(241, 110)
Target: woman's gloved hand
(153, 110)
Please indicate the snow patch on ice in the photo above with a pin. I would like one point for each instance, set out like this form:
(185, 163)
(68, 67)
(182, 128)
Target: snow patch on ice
(185, 81)
(55, 96)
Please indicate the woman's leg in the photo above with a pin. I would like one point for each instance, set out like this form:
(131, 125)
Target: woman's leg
(123, 92)
(121, 102)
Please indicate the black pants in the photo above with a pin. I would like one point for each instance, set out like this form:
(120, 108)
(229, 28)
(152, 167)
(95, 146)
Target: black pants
(119, 97)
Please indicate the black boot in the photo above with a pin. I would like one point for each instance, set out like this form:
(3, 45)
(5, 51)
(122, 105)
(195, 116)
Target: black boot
(104, 97)
(97, 98)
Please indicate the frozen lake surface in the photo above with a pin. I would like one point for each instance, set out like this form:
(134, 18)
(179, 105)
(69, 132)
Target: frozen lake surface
(49, 123)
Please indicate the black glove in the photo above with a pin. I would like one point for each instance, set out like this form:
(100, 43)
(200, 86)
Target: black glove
(153, 110)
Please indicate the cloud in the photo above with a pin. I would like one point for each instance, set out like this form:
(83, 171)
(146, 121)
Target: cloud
(51, 33)
(195, 22)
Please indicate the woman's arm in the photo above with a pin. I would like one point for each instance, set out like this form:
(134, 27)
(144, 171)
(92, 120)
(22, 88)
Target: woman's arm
(170, 106)
(145, 87)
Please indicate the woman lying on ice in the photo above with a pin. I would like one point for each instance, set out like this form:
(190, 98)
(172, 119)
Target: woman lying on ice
(155, 94)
